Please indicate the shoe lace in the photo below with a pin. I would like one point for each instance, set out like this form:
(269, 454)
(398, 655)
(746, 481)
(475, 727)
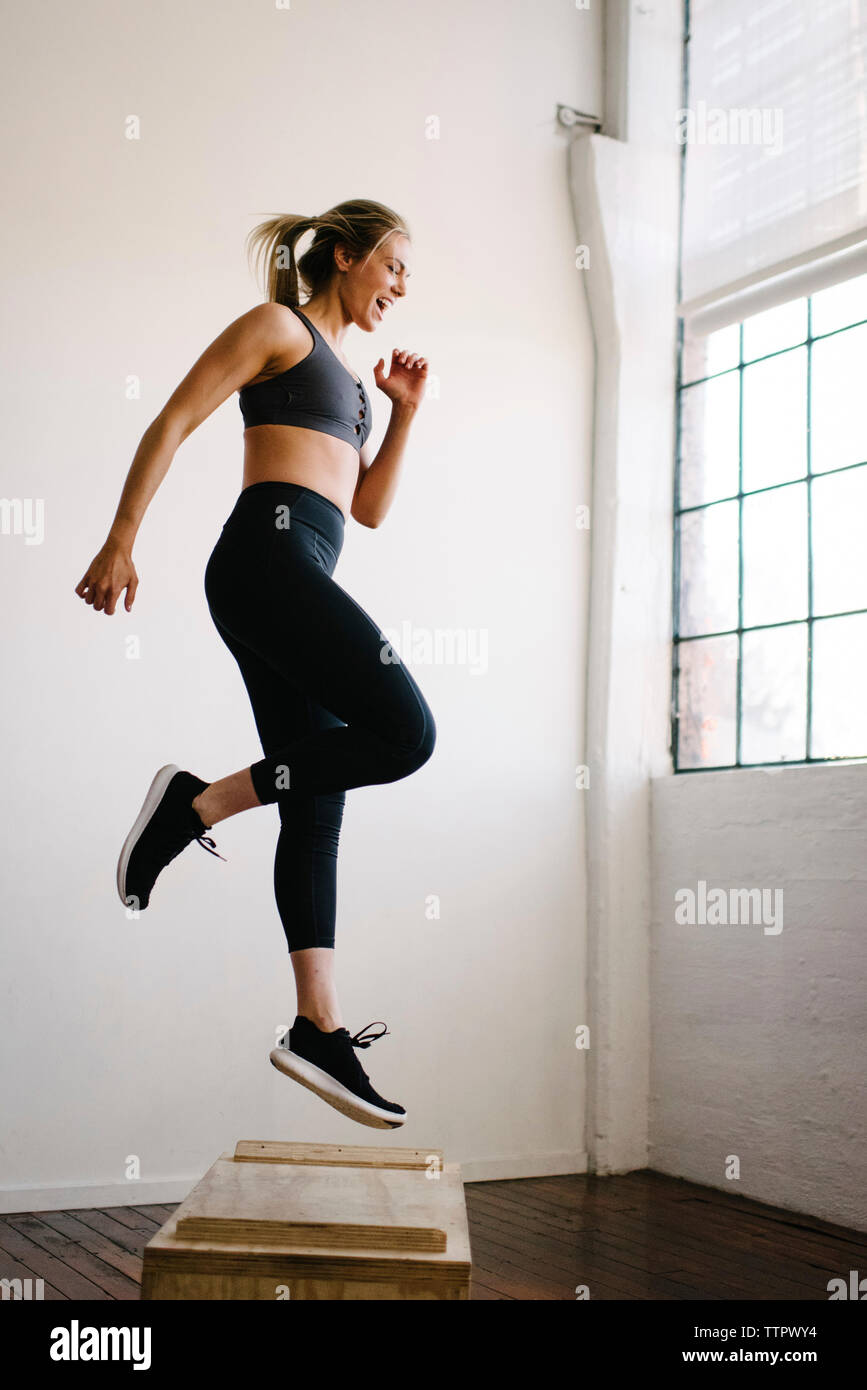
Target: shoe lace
(210, 845)
(361, 1039)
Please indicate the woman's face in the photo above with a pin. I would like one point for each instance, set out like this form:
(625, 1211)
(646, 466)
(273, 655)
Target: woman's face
(376, 282)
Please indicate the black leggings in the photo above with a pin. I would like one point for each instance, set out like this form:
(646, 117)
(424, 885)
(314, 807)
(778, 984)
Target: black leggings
(334, 706)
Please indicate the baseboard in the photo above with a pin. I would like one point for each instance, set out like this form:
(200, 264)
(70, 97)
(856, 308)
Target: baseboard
(138, 1194)
(544, 1165)
(89, 1195)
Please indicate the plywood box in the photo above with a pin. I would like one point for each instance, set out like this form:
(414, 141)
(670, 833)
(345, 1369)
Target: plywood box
(328, 1221)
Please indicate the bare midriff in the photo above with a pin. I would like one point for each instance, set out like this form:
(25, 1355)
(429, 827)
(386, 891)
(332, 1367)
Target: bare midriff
(293, 454)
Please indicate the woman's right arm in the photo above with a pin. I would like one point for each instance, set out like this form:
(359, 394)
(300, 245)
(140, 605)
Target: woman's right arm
(240, 353)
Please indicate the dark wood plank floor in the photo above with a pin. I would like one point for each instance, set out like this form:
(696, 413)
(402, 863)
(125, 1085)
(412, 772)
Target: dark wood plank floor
(637, 1236)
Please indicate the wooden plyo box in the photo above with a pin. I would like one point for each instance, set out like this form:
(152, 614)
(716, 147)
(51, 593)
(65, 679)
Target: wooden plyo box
(325, 1221)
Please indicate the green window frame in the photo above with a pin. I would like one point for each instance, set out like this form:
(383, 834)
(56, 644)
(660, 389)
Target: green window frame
(724, 698)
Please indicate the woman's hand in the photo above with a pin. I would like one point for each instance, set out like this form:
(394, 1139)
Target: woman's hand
(107, 575)
(405, 383)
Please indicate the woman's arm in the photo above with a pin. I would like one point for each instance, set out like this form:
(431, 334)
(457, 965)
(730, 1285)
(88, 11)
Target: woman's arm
(377, 483)
(241, 352)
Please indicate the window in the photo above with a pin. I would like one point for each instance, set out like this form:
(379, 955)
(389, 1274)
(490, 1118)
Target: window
(770, 593)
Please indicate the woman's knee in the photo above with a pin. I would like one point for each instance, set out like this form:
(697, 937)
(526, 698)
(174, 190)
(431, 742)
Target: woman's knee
(316, 818)
(416, 747)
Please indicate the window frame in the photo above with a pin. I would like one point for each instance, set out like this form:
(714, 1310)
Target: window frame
(807, 478)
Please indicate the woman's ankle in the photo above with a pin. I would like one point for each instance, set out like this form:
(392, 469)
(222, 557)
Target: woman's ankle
(326, 1023)
(226, 797)
(204, 810)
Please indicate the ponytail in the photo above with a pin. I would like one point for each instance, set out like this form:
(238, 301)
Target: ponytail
(273, 243)
(359, 225)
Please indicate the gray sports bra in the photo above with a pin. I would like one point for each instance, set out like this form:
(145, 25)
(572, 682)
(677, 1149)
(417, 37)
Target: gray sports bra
(318, 393)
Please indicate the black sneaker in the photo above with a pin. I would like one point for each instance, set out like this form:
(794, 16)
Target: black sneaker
(326, 1064)
(166, 824)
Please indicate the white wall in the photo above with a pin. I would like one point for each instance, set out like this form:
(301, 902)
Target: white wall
(120, 257)
(758, 1035)
(625, 192)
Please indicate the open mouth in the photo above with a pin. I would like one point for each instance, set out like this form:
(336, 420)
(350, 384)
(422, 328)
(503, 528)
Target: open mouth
(382, 304)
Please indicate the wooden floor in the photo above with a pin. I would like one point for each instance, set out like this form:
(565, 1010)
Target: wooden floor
(639, 1236)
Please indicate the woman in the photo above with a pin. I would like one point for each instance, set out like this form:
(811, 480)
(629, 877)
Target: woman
(333, 705)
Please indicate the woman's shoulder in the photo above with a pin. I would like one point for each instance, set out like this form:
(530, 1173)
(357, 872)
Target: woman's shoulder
(276, 328)
(280, 318)
(281, 337)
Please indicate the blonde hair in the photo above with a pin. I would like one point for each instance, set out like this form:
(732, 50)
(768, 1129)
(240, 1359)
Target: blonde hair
(359, 225)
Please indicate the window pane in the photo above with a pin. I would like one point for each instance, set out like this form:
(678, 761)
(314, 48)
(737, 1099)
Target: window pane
(839, 722)
(709, 569)
(709, 441)
(839, 555)
(839, 420)
(712, 353)
(775, 555)
(745, 430)
(780, 327)
(839, 305)
(775, 420)
(774, 695)
(706, 701)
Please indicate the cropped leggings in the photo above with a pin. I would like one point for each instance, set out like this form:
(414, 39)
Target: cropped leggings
(334, 706)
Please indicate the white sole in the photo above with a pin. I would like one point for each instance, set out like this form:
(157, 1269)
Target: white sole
(156, 790)
(330, 1090)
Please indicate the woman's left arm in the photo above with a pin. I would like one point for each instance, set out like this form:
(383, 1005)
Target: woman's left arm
(377, 482)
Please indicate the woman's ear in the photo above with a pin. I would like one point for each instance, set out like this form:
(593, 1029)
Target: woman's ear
(342, 257)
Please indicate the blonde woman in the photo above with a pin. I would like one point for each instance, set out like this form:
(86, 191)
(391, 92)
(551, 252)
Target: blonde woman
(333, 705)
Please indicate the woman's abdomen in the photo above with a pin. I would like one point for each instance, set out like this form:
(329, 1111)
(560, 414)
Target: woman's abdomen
(310, 458)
